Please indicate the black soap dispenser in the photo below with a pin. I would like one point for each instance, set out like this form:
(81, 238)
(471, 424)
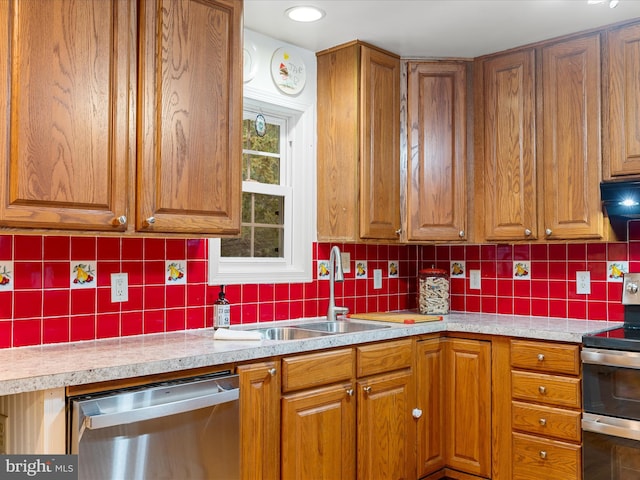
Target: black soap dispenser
(221, 310)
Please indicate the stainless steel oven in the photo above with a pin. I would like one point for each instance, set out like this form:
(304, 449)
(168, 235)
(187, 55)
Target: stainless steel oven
(187, 429)
(611, 418)
(611, 395)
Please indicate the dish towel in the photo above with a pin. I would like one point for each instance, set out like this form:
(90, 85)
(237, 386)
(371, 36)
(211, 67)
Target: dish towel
(240, 335)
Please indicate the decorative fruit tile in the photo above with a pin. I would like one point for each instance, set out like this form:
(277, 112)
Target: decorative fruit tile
(323, 269)
(176, 272)
(361, 269)
(83, 274)
(458, 269)
(616, 271)
(393, 269)
(6, 276)
(522, 270)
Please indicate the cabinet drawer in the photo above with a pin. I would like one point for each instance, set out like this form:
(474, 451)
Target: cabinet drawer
(548, 421)
(537, 459)
(545, 357)
(315, 369)
(383, 357)
(550, 389)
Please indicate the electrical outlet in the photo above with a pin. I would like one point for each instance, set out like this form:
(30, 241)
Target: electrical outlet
(474, 279)
(377, 278)
(119, 287)
(583, 283)
(3, 434)
(345, 258)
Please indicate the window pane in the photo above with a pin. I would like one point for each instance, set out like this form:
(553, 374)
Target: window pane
(270, 142)
(268, 242)
(237, 247)
(246, 207)
(260, 168)
(268, 209)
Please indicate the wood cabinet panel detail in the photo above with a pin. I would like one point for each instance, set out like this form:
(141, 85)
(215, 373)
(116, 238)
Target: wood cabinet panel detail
(436, 173)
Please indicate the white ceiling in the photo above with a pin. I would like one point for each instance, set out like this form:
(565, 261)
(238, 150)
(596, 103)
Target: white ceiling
(433, 28)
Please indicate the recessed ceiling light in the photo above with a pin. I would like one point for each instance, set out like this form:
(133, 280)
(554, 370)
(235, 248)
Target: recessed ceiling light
(304, 13)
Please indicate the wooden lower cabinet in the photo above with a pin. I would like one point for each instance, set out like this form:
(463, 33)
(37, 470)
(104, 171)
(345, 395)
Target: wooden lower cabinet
(260, 420)
(468, 405)
(318, 433)
(543, 459)
(430, 401)
(386, 429)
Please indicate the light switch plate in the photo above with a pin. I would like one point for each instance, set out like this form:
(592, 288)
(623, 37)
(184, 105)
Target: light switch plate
(377, 278)
(345, 258)
(474, 279)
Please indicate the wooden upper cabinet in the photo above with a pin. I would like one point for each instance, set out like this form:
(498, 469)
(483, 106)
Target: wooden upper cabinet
(510, 201)
(190, 145)
(65, 139)
(358, 143)
(436, 172)
(571, 148)
(622, 123)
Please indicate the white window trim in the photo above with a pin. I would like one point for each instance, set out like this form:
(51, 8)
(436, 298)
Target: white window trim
(297, 267)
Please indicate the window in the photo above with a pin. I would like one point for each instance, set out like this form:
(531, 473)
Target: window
(277, 194)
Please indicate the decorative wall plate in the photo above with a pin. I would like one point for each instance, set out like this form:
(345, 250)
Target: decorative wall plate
(288, 71)
(250, 62)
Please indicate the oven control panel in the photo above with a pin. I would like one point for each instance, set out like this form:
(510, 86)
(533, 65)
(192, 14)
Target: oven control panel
(631, 289)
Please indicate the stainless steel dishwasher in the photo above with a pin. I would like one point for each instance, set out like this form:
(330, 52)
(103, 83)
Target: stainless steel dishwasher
(186, 429)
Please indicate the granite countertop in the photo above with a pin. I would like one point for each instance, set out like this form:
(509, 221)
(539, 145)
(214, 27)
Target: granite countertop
(60, 365)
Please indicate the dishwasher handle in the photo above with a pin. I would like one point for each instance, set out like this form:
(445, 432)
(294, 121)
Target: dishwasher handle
(104, 420)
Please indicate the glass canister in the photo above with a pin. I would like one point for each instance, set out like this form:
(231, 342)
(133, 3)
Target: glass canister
(433, 291)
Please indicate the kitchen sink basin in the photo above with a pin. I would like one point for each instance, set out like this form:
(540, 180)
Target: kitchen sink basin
(341, 327)
(287, 333)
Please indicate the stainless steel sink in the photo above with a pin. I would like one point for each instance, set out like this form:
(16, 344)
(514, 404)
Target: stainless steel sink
(342, 326)
(288, 333)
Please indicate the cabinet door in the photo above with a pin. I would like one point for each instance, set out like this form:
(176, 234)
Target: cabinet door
(430, 399)
(318, 433)
(260, 421)
(468, 406)
(380, 145)
(65, 138)
(338, 134)
(386, 428)
(189, 158)
(509, 147)
(622, 145)
(436, 174)
(571, 153)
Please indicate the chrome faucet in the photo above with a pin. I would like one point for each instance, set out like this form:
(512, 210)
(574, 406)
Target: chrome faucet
(336, 274)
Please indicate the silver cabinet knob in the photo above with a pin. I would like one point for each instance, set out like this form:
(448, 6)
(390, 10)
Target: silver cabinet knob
(542, 390)
(527, 232)
(367, 390)
(151, 220)
(541, 357)
(122, 220)
(548, 231)
(543, 454)
(461, 233)
(272, 372)
(398, 231)
(542, 421)
(417, 413)
(350, 392)
(632, 287)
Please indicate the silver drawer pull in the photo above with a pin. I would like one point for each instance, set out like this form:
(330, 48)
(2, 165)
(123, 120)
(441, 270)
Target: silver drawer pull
(272, 372)
(541, 357)
(542, 390)
(350, 392)
(543, 454)
(367, 390)
(542, 421)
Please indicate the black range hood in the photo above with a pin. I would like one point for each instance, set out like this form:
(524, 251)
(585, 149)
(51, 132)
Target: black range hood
(621, 202)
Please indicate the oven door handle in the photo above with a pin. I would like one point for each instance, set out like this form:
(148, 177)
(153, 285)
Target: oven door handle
(611, 358)
(615, 427)
(123, 417)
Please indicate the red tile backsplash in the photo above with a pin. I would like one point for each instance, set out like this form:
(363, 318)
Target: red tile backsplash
(42, 308)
